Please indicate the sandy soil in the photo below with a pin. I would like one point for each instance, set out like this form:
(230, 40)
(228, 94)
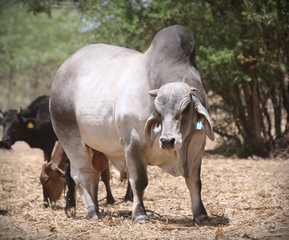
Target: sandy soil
(246, 199)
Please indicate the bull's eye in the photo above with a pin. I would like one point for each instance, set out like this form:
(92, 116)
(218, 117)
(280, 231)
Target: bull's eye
(158, 124)
(45, 180)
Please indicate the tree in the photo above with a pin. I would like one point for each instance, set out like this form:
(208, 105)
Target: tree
(246, 64)
(31, 49)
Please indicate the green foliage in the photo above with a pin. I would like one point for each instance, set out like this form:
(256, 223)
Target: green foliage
(32, 48)
(36, 6)
(133, 24)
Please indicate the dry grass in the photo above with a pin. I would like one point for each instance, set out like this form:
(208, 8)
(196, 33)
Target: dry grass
(246, 199)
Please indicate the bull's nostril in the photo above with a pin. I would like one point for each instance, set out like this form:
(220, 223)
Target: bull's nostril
(167, 142)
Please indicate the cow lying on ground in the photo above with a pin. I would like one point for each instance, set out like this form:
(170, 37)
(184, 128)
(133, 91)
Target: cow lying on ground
(100, 106)
(31, 124)
(56, 173)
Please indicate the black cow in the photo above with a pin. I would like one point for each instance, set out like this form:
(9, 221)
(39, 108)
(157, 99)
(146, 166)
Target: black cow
(32, 125)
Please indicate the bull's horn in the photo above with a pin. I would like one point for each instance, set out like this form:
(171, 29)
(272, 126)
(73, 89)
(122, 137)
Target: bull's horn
(60, 172)
(57, 170)
(153, 92)
(193, 89)
(48, 164)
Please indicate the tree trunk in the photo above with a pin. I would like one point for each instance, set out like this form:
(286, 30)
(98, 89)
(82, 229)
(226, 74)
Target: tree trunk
(284, 79)
(253, 140)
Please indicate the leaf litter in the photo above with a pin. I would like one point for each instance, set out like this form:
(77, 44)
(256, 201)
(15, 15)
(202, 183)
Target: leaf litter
(245, 198)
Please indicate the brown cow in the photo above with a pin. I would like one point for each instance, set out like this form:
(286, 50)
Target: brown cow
(56, 173)
(52, 175)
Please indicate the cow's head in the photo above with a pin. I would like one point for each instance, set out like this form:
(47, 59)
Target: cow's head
(52, 179)
(10, 123)
(177, 114)
(15, 126)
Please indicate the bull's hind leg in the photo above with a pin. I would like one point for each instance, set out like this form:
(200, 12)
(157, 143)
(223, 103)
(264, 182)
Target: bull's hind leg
(84, 175)
(86, 179)
(88, 185)
(105, 177)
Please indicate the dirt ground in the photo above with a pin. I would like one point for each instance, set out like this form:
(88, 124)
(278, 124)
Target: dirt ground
(246, 199)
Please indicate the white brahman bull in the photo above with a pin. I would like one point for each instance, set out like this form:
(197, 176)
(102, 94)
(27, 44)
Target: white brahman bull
(101, 109)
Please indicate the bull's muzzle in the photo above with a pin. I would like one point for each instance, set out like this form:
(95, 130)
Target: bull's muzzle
(167, 142)
(5, 143)
(170, 142)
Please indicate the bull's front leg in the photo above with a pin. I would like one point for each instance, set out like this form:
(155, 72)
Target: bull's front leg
(137, 172)
(194, 185)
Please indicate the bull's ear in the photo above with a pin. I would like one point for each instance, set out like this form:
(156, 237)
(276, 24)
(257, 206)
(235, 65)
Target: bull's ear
(20, 116)
(152, 128)
(28, 122)
(153, 92)
(201, 119)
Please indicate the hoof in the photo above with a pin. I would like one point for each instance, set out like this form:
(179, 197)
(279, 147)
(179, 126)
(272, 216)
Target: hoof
(71, 212)
(110, 200)
(46, 204)
(141, 219)
(94, 218)
(92, 215)
(201, 218)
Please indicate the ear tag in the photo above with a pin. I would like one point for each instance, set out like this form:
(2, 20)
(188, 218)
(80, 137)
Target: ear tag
(199, 125)
(30, 125)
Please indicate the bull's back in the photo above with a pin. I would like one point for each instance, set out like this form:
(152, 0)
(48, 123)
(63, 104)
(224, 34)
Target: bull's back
(82, 71)
(85, 93)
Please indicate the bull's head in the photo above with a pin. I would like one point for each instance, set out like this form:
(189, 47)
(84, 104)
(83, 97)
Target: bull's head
(177, 114)
(10, 123)
(15, 127)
